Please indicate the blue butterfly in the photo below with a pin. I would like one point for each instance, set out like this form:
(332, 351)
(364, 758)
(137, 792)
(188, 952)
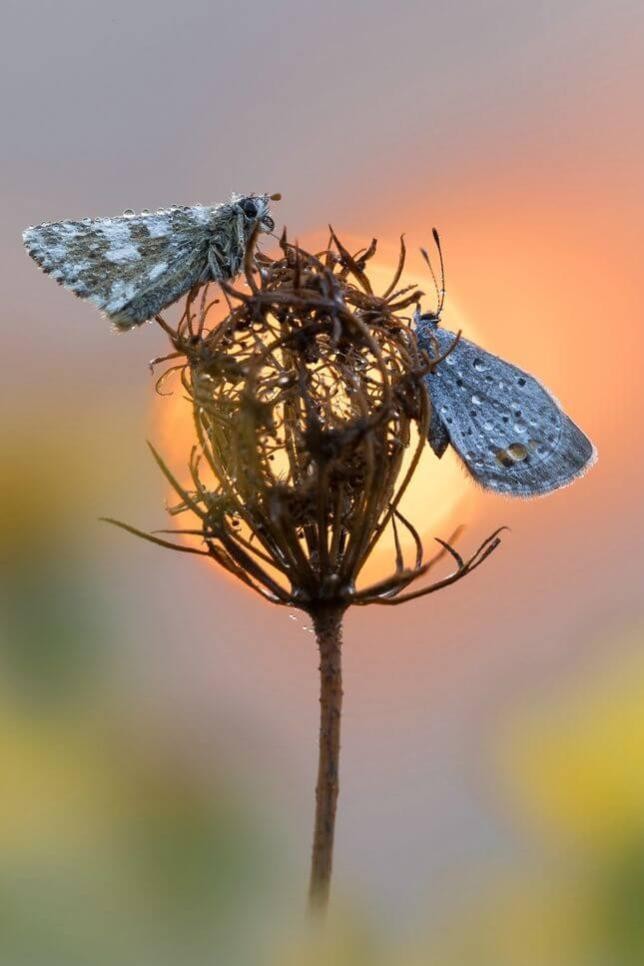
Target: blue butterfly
(509, 431)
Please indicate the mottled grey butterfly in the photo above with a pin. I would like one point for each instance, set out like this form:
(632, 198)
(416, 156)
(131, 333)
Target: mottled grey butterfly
(510, 433)
(133, 266)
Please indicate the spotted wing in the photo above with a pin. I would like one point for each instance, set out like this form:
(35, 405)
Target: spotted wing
(509, 431)
(131, 267)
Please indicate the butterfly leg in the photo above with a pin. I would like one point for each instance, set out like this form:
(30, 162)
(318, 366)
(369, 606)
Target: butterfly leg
(217, 263)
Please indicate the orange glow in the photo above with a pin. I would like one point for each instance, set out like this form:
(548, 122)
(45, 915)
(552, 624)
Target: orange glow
(430, 501)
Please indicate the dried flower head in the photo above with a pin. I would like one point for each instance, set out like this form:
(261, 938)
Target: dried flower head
(305, 398)
(304, 401)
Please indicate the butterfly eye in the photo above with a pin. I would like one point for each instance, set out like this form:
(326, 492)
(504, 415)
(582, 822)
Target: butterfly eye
(248, 207)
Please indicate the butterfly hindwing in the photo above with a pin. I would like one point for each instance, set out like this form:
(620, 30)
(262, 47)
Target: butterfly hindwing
(132, 266)
(511, 434)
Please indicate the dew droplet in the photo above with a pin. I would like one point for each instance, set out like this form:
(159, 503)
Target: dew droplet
(479, 365)
(145, 211)
(128, 213)
(520, 381)
(504, 458)
(520, 427)
(450, 360)
(477, 401)
(517, 451)
(488, 426)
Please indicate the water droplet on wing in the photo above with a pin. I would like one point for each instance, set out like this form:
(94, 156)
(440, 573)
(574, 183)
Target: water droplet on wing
(517, 451)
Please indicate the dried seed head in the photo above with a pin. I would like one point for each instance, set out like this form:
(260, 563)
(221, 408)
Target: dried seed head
(304, 400)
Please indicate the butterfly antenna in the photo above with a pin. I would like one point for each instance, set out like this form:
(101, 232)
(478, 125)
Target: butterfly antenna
(439, 303)
(441, 297)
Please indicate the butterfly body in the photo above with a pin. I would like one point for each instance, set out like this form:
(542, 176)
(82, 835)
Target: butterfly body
(509, 431)
(133, 266)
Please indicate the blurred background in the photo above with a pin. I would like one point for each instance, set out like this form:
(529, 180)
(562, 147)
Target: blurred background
(157, 722)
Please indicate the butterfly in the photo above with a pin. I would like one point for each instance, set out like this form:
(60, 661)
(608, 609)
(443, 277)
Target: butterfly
(511, 434)
(134, 266)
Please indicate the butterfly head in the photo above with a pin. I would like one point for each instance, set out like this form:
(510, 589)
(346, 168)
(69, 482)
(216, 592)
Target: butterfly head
(425, 326)
(426, 321)
(255, 208)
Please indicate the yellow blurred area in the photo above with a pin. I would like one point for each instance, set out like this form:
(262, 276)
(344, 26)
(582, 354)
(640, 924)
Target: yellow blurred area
(575, 759)
(59, 790)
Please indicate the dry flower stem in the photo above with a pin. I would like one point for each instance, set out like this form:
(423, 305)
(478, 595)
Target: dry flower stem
(306, 398)
(327, 623)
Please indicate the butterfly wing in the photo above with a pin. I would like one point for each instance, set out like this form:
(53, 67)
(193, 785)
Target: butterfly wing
(511, 434)
(132, 266)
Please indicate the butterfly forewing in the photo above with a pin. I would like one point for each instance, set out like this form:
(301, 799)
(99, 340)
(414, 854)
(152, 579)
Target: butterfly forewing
(131, 266)
(509, 431)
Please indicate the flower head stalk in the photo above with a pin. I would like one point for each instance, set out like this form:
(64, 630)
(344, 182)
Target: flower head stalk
(307, 399)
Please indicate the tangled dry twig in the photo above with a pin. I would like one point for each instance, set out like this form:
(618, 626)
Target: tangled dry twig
(304, 400)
